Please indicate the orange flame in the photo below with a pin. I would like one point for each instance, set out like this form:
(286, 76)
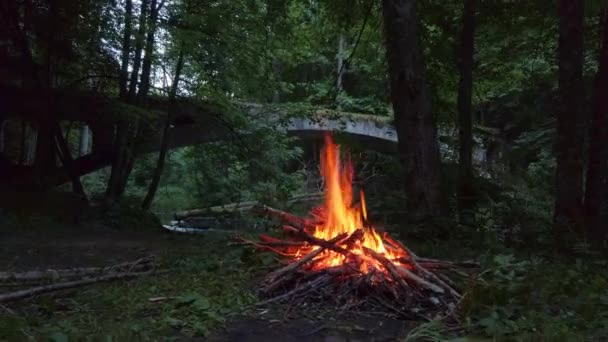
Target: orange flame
(344, 218)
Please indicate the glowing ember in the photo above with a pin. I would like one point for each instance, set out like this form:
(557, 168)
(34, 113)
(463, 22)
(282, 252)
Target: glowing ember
(342, 217)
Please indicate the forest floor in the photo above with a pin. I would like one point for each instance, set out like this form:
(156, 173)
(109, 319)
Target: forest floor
(208, 292)
(210, 288)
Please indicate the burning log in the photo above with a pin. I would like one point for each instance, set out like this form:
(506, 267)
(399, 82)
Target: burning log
(337, 255)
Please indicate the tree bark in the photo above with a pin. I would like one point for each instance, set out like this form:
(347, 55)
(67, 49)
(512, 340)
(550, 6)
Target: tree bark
(465, 122)
(414, 121)
(139, 45)
(596, 195)
(126, 50)
(570, 123)
(164, 145)
(146, 70)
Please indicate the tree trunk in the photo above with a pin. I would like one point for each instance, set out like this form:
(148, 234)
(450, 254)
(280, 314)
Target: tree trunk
(31, 143)
(340, 63)
(2, 127)
(570, 123)
(276, 70)
(126, 130)
(146, 70)
(139, 45)
(596, 196)
(103, 136)
(414, 121)
(83, 146)
(66, 159)
(164, 145)
(45, 159)
(22, 143)
(465, 122)
(126, 50)
(115, 188)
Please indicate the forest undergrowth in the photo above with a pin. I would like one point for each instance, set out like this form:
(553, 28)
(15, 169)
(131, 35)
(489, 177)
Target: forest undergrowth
(519, 294)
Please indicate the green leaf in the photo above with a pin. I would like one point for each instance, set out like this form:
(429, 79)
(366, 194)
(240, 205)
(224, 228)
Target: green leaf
(174, 322)
(195, 300)
(58, 337)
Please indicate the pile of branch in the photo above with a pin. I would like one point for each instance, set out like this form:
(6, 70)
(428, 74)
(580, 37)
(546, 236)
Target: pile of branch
(39, 282)
(412, 286)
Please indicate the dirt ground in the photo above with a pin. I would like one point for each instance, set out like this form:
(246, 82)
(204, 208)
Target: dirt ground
(92, 245)
(351, 329)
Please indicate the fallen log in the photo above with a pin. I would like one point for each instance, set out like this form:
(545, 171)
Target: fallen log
(34, 291)
(71, 273)
(291, 219)
(219, 209)
(240, 207)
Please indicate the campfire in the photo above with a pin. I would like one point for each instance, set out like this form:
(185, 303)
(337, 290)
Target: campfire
(336, 254)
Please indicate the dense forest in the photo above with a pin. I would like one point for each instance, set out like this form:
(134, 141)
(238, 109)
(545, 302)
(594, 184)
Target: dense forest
(177, 132)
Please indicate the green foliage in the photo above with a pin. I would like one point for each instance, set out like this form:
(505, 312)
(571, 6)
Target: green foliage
(531, 299)
(252, 167)
(433, 331)
(519, 210)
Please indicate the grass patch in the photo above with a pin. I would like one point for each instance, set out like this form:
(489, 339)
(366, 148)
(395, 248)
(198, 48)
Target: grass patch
(207, 283)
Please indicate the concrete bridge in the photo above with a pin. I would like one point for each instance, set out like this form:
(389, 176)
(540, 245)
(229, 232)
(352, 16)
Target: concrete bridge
(376, 132)
(197, 122)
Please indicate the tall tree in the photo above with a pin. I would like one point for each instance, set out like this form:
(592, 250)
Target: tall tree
(465, 121)
(570, 122)
(139, 46)
(164, 145)
(146, 70)
(125, 130)
(415, 124)
(596, 193)
(126, 50)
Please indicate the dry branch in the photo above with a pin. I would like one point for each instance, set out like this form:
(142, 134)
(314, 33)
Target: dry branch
(275, 277)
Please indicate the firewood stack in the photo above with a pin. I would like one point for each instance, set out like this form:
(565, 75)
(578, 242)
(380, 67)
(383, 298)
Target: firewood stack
(409, 286)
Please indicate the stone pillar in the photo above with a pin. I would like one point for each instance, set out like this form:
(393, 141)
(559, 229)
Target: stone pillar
(83, 147)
